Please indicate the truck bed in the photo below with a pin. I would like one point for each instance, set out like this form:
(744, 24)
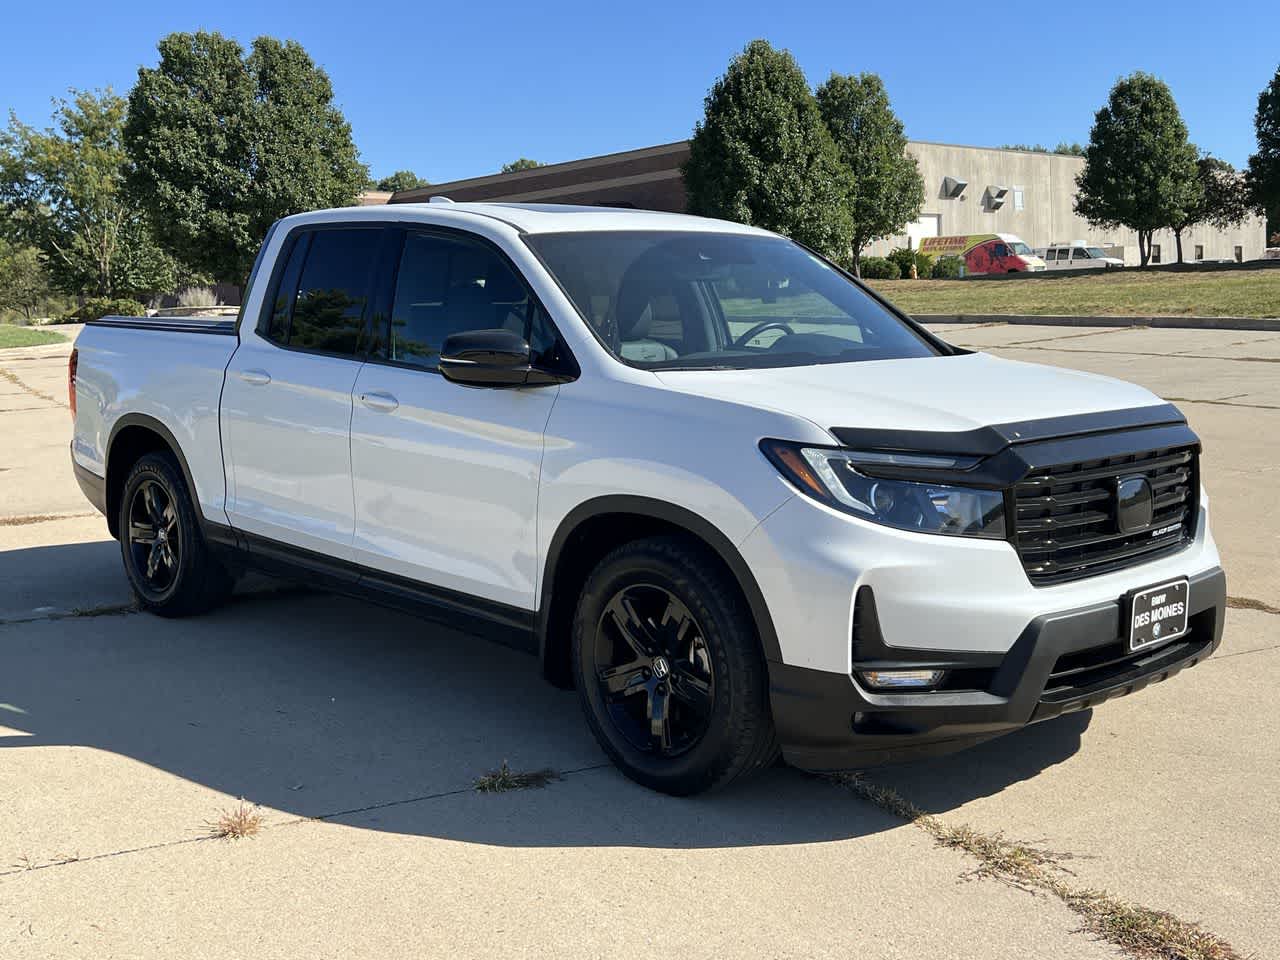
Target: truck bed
(164, 373)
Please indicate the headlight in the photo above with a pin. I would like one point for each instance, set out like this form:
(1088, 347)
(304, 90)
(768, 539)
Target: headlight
(832, 476)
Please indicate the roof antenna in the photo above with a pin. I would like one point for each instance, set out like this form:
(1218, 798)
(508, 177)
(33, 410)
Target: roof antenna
(439, 199)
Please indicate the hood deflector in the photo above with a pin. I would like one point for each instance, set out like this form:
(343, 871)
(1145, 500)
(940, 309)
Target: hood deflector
(986, 441)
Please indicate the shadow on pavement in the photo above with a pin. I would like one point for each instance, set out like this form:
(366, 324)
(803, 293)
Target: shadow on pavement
(321, 706)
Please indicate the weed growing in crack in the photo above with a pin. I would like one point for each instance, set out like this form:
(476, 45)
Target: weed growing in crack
(235, 823)
(504, 779)
(1140, 931)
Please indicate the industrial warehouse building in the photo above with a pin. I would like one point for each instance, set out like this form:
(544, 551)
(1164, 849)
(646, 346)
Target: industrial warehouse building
(968, 190)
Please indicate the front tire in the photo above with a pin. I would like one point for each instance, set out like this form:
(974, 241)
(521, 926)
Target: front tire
(169, 565)
(668, 668)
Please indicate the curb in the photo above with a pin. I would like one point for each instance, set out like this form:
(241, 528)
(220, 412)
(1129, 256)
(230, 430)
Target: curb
(1268, 324)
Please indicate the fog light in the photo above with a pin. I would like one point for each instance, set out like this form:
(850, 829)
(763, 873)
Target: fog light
(902, 679)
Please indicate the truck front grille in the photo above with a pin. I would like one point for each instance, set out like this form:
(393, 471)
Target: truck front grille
(1067, 525)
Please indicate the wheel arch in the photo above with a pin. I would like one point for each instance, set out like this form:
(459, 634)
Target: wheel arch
(595, 527)
(132, 436)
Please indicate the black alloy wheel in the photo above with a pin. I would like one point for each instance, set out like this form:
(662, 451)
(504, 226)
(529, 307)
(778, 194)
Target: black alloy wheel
(155, 543)
(169, 564)
(668, 667)
(654, 670)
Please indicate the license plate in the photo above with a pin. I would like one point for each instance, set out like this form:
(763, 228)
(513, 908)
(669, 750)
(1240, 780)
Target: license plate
(1158, 614)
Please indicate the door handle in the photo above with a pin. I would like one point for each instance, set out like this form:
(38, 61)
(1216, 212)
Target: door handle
(256, 377)
(382, 402)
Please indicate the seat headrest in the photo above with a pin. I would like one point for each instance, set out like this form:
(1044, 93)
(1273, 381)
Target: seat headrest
(502, 285)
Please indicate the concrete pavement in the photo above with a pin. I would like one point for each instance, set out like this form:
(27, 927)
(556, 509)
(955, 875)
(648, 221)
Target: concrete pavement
(360, 732)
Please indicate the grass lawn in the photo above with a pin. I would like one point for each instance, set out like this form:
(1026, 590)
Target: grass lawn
(14, 336)
(1119, 293)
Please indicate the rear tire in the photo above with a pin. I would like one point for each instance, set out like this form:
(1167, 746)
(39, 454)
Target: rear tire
(169, 565)
(669, 670)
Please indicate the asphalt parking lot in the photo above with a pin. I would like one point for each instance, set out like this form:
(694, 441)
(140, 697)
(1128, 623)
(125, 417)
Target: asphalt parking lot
(360, 733)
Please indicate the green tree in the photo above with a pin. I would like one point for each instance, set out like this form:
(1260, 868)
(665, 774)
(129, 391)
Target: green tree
(24, 282)
(884, 190)
(225, 144)
(62, 191)
(524, 163)
(762, 155)
(1264, 166)
(1063, 148)
(1221, 201)
(1139, 168)
(401, 180)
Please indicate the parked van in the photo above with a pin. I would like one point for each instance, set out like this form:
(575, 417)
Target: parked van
(1078, 255)
(985, 252)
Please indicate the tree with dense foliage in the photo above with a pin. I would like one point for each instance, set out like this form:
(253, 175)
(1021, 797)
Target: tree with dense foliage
(883, 191)
(1063, 148)
(762, 155)
(1264, 166)
(524, 163)
(62, 191)
(1222, 199)
(401, 180)
(225, 144)
(1139, 168)
(24, 282)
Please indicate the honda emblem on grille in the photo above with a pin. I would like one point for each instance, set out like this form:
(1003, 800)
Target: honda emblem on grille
(1134, 504)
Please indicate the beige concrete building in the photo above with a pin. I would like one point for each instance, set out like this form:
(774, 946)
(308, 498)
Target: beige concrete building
(1033, 195)
(968, 190)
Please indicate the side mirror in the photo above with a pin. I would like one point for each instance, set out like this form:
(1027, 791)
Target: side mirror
(492, 358)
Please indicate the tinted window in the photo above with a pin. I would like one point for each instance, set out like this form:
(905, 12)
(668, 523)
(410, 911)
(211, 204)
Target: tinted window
(1000, 250)
(328, 311)
(286, 291)
(447, 285)
(681, 299)
(1080, 253)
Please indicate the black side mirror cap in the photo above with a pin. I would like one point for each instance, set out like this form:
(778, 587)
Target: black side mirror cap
(492, 358)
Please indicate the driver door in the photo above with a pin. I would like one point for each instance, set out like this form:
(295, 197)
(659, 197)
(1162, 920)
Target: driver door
(446, 476)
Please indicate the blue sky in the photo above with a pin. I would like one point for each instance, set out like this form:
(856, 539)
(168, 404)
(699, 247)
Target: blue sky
(455, 90)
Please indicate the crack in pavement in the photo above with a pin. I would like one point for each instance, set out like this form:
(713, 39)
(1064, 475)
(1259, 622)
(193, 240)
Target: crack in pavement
(24, 520)
(116, 609)
(1141, 353)
(1240, 653)
(1226, 403)
(1249, 603)
(1138, 930)
(22, 385)
(17, 870)
(1073, 336)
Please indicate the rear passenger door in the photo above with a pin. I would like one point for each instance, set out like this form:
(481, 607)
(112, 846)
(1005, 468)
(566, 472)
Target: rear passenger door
(286, 403)
(446, 476)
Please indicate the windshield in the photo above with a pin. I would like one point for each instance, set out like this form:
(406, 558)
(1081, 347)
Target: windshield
(682, 300)
(1096, 252)
(1021, 249)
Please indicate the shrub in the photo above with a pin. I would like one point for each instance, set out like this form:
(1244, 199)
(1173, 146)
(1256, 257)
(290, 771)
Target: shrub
(198, 297)
(97, 307)
(905, 258)
(947, 268)
(879, 268)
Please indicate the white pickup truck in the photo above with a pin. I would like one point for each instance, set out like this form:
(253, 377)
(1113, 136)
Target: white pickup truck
(737, 500)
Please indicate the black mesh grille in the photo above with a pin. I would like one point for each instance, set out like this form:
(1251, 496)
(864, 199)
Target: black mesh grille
(1066, 515)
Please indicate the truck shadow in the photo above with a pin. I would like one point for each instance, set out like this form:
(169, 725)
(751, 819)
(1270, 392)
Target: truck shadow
(320, 706)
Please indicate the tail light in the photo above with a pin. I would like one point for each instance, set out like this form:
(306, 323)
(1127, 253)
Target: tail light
(72, 363)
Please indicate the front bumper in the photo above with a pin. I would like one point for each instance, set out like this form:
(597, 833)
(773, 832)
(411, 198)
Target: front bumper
(1061, 662)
